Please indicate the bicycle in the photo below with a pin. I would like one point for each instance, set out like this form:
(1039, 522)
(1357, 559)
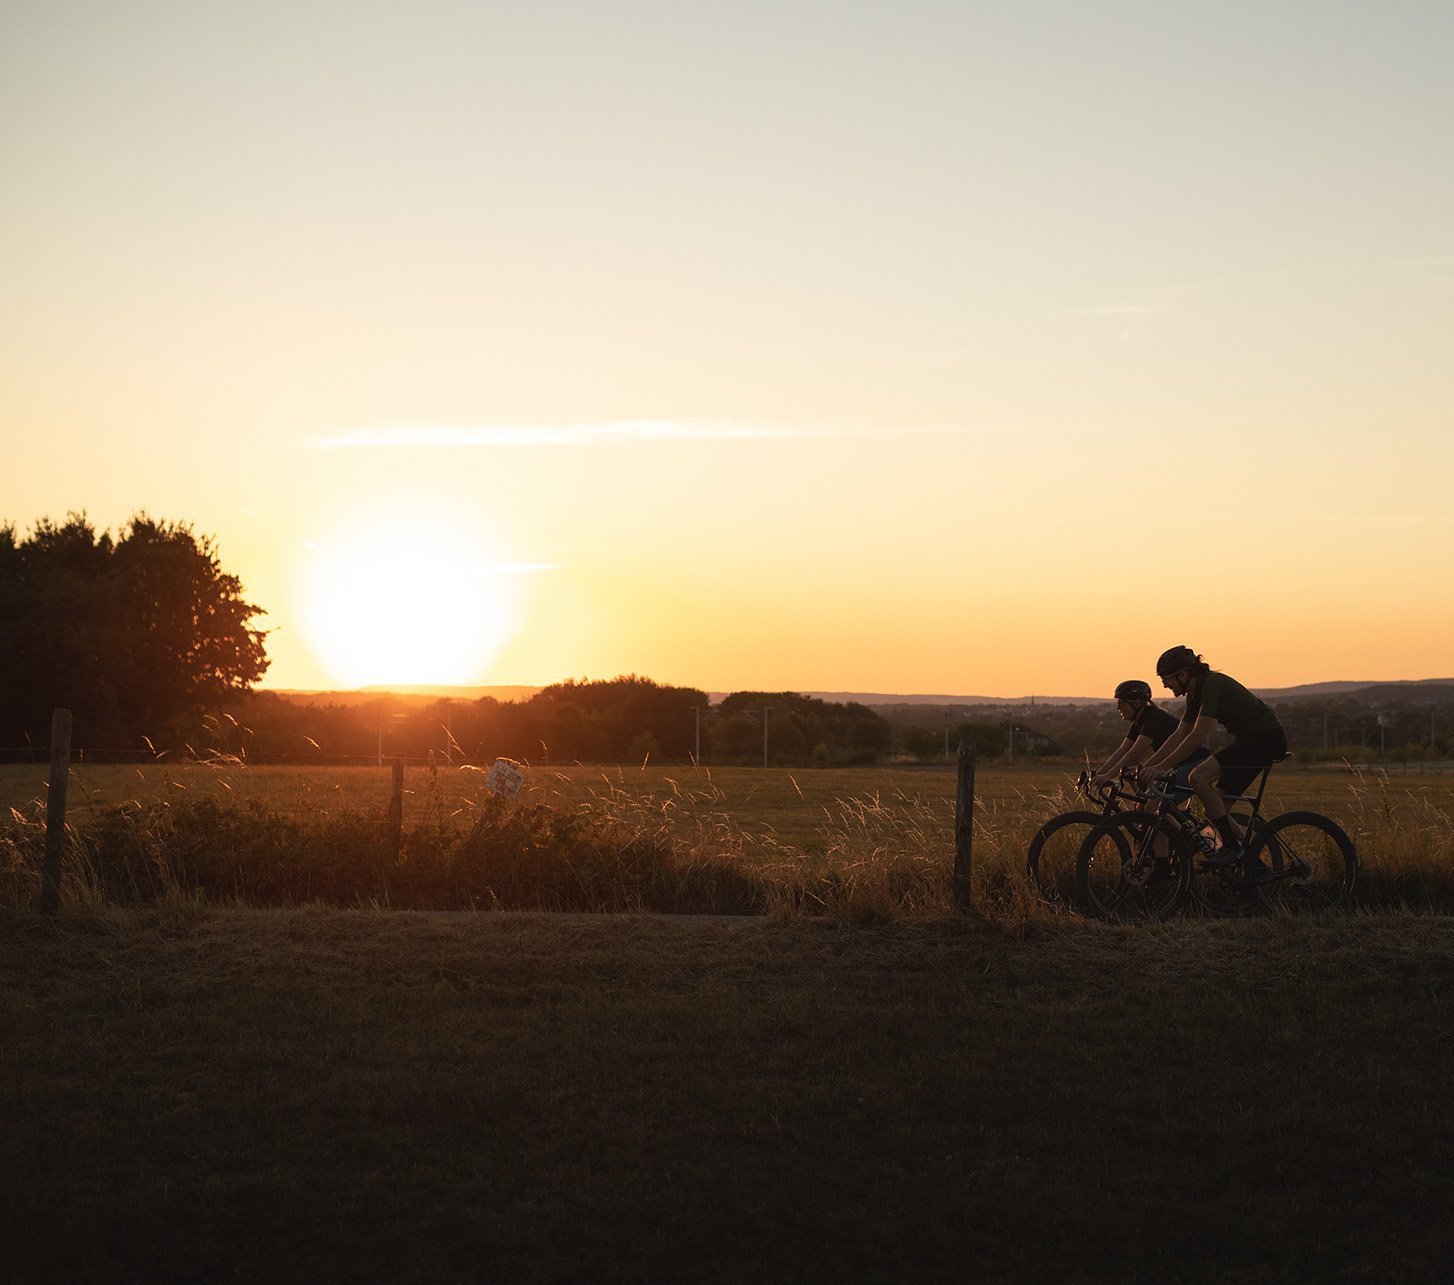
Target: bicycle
(1147, 863)
(1050, 858)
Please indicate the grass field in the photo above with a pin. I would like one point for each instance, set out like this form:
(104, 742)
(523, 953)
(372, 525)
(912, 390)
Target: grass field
(865, 841)
(791, 803)
(194, 1094)
(857, 1084)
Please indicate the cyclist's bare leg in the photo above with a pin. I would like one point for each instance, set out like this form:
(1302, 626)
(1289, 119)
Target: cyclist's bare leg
(1203, 779)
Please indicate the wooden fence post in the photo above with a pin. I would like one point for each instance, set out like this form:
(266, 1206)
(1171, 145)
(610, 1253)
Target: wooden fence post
(396, 805)
(964, 828)
(55, 811)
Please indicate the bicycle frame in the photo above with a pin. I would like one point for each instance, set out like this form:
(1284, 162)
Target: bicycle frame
(1194, 828)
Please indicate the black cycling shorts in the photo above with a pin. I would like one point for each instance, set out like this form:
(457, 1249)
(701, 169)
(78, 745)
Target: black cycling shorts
(1245, 757)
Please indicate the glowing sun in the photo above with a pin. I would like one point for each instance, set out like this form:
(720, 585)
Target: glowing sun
(416, 597)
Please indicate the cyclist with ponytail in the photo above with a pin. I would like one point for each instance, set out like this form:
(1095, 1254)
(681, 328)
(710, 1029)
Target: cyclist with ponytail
(1258, 740)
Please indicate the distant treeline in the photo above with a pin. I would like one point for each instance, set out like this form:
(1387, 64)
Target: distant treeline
(623, 720)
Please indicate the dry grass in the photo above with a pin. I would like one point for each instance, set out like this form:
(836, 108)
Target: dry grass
(1405, 842)
(862, 844)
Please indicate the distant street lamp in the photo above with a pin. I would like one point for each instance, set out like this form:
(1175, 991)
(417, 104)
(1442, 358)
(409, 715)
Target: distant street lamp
(697, 757)
(766, 710)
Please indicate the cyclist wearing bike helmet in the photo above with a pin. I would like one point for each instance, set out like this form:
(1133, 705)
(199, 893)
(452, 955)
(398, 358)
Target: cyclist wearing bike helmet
(1258, 740)
(1151, 727)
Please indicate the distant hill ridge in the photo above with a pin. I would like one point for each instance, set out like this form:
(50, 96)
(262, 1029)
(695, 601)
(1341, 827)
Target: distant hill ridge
(1391, 689)
(1372, 689)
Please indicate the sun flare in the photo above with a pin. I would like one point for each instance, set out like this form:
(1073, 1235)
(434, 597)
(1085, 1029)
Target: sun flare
(413, 597)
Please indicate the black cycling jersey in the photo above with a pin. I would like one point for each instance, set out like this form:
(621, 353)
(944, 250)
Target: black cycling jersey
(1155, 722)
(1231, 704)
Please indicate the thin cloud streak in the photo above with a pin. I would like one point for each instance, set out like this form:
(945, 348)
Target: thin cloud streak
(456, 435)
(447, 436)
(1385, 519)
(1110, 310)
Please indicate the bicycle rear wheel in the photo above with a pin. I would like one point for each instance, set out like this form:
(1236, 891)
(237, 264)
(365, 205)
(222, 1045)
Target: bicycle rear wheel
(1309, 864)
(1132, 867)
(1050, 859)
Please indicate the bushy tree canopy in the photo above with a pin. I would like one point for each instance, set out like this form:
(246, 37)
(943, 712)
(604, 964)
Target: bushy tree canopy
(800, 728)
(133, 634)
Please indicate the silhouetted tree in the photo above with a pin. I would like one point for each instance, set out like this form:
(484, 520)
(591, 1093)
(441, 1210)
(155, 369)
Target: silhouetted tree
(135, 635)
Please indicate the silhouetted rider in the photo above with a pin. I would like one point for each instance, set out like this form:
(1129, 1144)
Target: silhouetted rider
(1258, 740)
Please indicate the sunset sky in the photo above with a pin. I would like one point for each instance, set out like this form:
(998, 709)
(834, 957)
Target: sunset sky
(895, 347)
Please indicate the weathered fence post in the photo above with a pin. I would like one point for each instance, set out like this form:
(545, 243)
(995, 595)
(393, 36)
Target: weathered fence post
(396, 805)
(55, 811)
(964, 828)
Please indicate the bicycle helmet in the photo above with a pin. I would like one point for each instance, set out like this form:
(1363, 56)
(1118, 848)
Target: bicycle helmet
(1174, 659)
(1133, 689)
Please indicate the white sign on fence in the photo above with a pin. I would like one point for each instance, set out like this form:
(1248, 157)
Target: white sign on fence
(505, 778)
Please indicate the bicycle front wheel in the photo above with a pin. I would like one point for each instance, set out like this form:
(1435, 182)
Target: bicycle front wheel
(1050, 860)
(1132, 867)
(1304, 863)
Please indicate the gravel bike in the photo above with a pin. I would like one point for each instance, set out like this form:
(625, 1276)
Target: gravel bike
(1147, 863)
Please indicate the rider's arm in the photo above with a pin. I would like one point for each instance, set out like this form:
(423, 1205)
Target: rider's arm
(1128, 755)
(1118, 756)
(1138, 753)
(1188, 738)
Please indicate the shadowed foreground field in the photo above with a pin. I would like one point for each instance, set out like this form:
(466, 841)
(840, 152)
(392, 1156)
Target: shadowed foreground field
(195, 1094)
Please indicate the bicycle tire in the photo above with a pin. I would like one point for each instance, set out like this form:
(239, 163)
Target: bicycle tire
(1051, 856)
(1312, 863)
(1113, 858)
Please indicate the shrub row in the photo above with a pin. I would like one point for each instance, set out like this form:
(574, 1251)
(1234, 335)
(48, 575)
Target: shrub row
(521, 857)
